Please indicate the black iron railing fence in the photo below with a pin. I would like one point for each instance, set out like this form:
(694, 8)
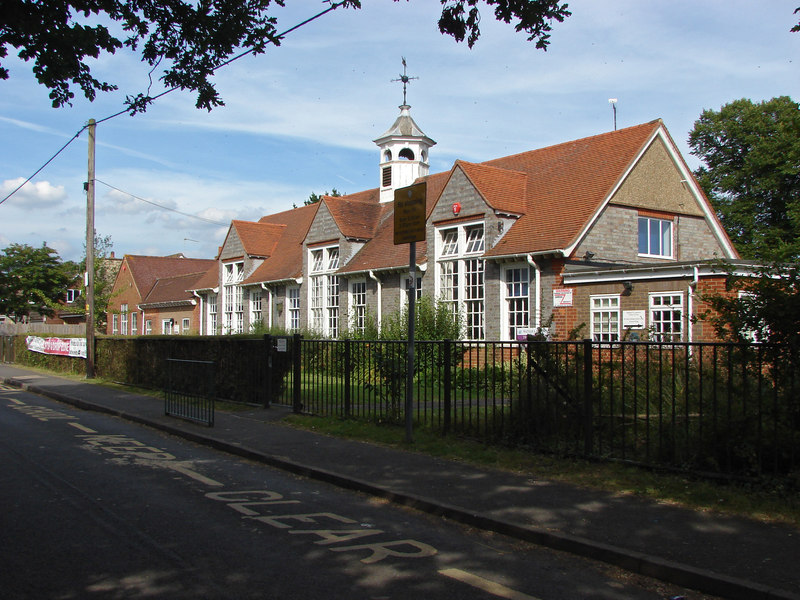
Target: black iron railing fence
(189, 390)
(705, 407)
(731, 409)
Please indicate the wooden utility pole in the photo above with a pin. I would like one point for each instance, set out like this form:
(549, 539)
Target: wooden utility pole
(89, 275)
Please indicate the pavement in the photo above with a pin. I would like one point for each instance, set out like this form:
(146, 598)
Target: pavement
(724, 556)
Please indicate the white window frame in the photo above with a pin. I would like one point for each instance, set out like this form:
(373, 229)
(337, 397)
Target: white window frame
(115, 324)
(185, 325)
(664, 237)
(233, 297)
(166, 327)
(661, 329)
(606, 317)
(516, 312)
(460, 280)
(324, 292)
(123, 319)
(358, 304)
(148, 327)
(134, 323)
(293, 308)
(213, 306)
(256, 307)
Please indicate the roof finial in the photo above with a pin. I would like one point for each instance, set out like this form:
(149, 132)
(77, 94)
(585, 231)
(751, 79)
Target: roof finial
(405, 79)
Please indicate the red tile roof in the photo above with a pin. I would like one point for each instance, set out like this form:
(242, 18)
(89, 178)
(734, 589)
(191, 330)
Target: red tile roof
(567, 184)
(556, 190)
(146, 269)
(173, 290)
(356, 215)
(258, 239)
(286, 262)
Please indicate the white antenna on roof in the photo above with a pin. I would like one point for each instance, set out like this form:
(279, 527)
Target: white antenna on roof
(613, 103)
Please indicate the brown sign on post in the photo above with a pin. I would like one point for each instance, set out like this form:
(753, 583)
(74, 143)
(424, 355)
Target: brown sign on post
(409, 213)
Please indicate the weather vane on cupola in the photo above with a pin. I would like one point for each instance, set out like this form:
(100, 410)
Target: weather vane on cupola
(405, 79)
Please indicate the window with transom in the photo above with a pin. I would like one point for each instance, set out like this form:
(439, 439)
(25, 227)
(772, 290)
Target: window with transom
(605, 318)
(460, 270)
(517, 281)
(666, 317)
(324, 291)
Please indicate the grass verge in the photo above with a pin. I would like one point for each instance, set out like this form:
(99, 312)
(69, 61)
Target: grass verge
(763, 501)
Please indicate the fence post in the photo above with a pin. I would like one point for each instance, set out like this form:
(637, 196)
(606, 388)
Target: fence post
(347, 378)
(268, 369)
(296, 356)
(448, 384)
(588, 432)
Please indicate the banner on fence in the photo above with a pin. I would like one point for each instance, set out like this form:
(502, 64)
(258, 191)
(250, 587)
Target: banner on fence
(75, 347)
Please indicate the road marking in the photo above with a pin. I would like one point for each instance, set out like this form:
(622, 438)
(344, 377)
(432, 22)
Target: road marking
(193, 474)
(487, 585)
(17, 402)
(83, 428)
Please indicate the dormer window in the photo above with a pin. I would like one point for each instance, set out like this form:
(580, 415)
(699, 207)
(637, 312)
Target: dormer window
(406, 154)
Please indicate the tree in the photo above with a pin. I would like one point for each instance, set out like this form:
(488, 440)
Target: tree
(105, 272)
(191, 39)
(751, 173)
(765, 306)
(32, 280)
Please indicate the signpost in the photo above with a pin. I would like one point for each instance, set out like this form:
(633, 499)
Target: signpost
(409, 228)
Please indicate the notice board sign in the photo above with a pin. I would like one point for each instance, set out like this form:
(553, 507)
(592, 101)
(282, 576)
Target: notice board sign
(562, 297)
(409, 213)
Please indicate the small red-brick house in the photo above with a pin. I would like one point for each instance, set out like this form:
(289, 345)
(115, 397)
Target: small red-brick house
(151, 295)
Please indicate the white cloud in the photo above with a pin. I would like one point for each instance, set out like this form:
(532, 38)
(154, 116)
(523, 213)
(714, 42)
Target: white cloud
(32, 195)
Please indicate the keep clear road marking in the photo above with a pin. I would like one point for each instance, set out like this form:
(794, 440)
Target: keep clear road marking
(83, 428)
(193, 474)
(487, 585)
(175, 466)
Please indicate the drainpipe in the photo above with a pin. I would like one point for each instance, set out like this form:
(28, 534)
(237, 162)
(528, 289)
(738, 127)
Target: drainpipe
(269, 305)
(537, 284)
(380, 296)
(690, 301)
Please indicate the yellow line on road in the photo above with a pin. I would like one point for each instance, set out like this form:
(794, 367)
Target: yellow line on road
(82, 427)
(19, 402)
(487, 585)
(193, 474)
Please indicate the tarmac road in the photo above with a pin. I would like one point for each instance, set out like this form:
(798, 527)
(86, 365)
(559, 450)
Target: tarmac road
(97, 507)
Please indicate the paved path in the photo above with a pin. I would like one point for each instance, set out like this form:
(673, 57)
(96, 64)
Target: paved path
(725, 556)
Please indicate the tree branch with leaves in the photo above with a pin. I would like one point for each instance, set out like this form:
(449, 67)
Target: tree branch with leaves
(189, 40)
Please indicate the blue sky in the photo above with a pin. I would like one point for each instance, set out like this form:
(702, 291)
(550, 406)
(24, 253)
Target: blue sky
(301, 118)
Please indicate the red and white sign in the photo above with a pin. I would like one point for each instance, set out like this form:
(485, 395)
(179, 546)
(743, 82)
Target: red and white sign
(75, 347)
(562, 297)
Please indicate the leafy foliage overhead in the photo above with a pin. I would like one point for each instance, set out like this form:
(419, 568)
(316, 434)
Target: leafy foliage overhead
(751, 173)
(190, 39)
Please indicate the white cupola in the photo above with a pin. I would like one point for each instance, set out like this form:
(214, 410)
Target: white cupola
(404, 154)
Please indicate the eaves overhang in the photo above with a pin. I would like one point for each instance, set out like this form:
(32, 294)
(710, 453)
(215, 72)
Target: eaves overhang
(167, 304)
(684, 270)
